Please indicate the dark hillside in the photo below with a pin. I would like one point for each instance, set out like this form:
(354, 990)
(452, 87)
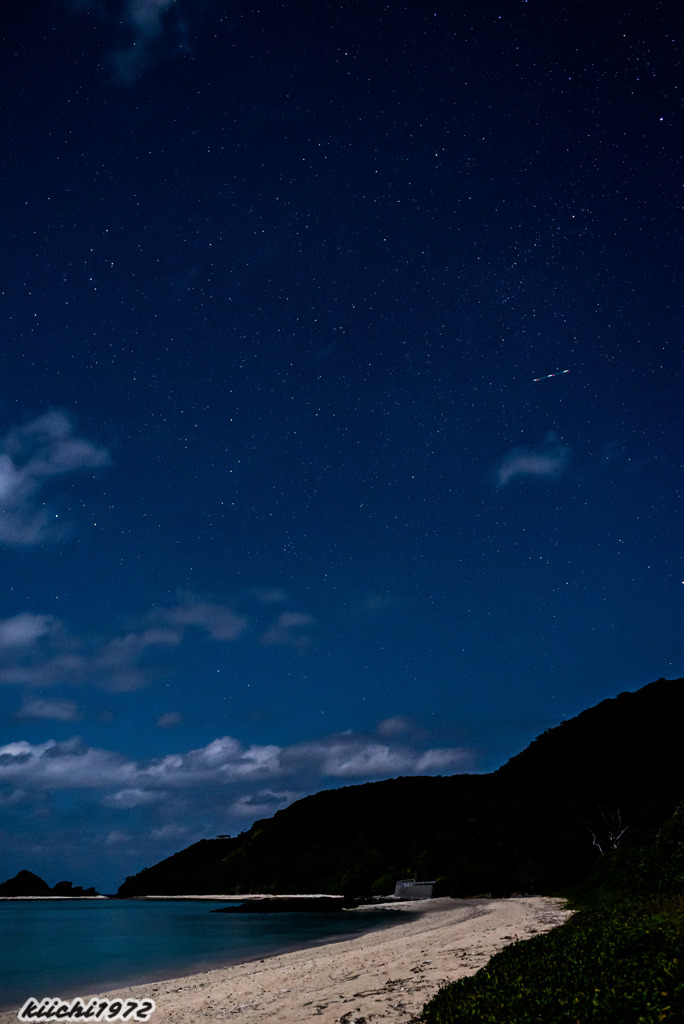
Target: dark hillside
(621, 758)
(346, 840)
(608, 777)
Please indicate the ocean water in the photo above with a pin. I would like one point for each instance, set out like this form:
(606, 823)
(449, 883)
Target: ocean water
(75, 947)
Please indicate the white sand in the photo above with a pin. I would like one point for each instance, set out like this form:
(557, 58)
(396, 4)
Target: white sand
(384, 975)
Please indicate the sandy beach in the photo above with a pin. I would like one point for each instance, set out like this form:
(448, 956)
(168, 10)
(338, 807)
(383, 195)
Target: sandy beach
(383, 975)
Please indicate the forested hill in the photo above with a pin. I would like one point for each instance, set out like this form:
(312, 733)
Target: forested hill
(610, 776)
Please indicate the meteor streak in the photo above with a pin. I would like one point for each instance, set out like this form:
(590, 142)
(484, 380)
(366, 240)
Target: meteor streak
(558, 373)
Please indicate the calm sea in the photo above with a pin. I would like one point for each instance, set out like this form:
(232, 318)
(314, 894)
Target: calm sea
(75, 947)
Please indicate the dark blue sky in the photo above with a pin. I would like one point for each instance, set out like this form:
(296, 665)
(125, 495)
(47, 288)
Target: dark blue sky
(283, 507)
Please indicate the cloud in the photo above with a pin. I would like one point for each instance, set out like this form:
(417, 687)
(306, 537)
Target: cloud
(142, 30)
(25, 629)
(37, 668)
(548, 460)
(169, 720)
(31, 456)
(155, 27)
(355, 756)
(289, 631)
(445, 759)
(394, 726)
(348, 757)
(224, 762)
(39, 650)
(118, 662)
(69, 765)
(219, 621)
(166, 832)
(58, 710)
(117, 837)
(271, 595)
(127, 798)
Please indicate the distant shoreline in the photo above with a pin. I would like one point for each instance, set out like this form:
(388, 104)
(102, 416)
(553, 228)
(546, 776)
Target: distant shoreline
(239, 897)
(228, 898)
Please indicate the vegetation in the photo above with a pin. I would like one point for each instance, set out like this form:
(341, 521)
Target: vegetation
(619, 960)
(622, 964)
(576, 812)
(539, 823)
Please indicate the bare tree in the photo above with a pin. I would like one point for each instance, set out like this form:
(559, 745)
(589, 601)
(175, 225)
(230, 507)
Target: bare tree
(611, 830)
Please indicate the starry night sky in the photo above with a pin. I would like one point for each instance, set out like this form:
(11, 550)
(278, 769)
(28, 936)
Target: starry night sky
(283, 506)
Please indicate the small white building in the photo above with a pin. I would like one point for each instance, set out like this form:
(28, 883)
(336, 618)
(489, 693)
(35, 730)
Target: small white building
(410, 889)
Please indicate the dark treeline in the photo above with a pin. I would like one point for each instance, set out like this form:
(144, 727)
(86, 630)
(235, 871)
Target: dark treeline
(604, 780)
(618, 960)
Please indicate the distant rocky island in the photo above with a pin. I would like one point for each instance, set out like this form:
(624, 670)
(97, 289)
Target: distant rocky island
(25, 884)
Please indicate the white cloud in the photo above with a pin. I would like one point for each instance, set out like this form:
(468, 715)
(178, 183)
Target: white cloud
(548, 460)
(39, 650)
(448, 759)
(350, 756)
(289, 630)
(25, 629)
(36, 650)
(354, 755)
(219, 621)
(117, 662)
(127, 798)
(222, 762)
(30, 456)
(169, 720)
(117, 837)
(166, 832)
(58, 710)
(394, 726)
(217, 753)
(38, 669)
(69, 765)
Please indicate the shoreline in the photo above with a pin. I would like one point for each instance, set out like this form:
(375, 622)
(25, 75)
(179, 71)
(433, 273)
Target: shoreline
(384, 974)
(142, 978)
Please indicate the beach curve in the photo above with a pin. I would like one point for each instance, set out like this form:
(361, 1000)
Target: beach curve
(384, 975)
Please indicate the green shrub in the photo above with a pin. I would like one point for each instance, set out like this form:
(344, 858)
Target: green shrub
(623, 964)
(619, 960)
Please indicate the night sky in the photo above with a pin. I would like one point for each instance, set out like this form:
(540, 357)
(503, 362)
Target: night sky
(283, 503)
